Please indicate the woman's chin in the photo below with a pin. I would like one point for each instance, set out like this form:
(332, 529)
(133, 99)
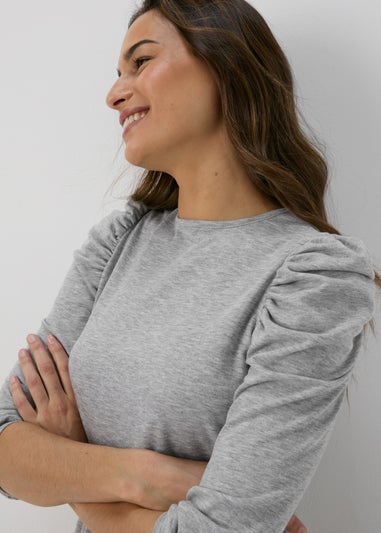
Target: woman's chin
(140, 159)
(134, 157)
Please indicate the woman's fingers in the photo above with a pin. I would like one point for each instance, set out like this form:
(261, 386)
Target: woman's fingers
(61, 359)
(32, 378)
(45, 366)
(296, 526)
(24, 408)
(48, 380)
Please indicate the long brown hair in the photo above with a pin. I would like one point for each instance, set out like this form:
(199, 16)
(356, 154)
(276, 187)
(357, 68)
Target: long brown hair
(256, 87)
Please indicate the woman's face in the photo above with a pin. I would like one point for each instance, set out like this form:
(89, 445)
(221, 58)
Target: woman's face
(174, 88)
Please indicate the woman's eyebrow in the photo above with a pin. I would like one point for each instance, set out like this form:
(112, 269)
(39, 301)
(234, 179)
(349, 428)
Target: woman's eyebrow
(128, 54)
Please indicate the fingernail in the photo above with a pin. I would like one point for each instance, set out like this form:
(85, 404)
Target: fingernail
(13, 380)
(23, 353)
(32, 338)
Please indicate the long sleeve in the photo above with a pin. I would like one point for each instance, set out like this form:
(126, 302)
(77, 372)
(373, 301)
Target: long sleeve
(89, 271)
(304, 345)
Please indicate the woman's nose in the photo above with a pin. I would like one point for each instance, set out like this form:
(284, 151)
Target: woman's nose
(119, 92)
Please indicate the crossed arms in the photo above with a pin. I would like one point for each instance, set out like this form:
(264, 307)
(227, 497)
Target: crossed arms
(47, 461)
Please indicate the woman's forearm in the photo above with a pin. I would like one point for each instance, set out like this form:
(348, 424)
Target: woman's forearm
(168, 479)
(116, 517)
(45, 469)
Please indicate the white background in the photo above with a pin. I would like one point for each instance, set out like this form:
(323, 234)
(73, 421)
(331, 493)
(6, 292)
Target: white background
(58, 143)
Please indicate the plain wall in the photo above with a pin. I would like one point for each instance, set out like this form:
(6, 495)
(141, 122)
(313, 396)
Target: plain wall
(58, 146)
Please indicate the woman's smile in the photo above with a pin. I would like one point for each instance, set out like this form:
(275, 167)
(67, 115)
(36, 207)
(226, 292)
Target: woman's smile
(133, 121)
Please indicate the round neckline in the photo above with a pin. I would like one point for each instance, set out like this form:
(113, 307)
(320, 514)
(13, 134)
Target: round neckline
(200, 223)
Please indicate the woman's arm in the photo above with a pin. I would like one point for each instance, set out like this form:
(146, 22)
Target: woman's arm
(82, 285)
(307, 335)
(116, 517)
(46, 469)
(130, 518)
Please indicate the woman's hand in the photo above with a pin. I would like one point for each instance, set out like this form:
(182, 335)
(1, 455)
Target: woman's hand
(296, 526)
(50, 386)
(169, 478)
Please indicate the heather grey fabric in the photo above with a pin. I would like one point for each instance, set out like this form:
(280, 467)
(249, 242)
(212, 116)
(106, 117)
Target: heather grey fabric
(228, 341)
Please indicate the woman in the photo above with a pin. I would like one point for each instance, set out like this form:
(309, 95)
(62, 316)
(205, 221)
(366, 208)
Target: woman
(213, 324)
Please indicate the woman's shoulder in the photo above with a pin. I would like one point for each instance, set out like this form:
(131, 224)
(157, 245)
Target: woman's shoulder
(104, 236)
(325, 251)
(322, 293)
(304, 248)
(319, 276)
(119, 221)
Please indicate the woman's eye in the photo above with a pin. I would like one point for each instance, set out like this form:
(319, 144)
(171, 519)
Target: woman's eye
(139, 61)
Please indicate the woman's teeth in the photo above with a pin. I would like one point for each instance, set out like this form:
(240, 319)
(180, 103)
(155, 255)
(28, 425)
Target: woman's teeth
(132, 118)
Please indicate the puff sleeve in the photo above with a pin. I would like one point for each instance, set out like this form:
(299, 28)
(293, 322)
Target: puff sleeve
(304, 345)
(89, 271)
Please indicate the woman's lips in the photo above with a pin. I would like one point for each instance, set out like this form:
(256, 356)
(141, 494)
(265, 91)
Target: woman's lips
(134, 123)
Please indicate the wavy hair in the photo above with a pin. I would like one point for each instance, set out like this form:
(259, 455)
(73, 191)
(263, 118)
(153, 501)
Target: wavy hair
(256, 88)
